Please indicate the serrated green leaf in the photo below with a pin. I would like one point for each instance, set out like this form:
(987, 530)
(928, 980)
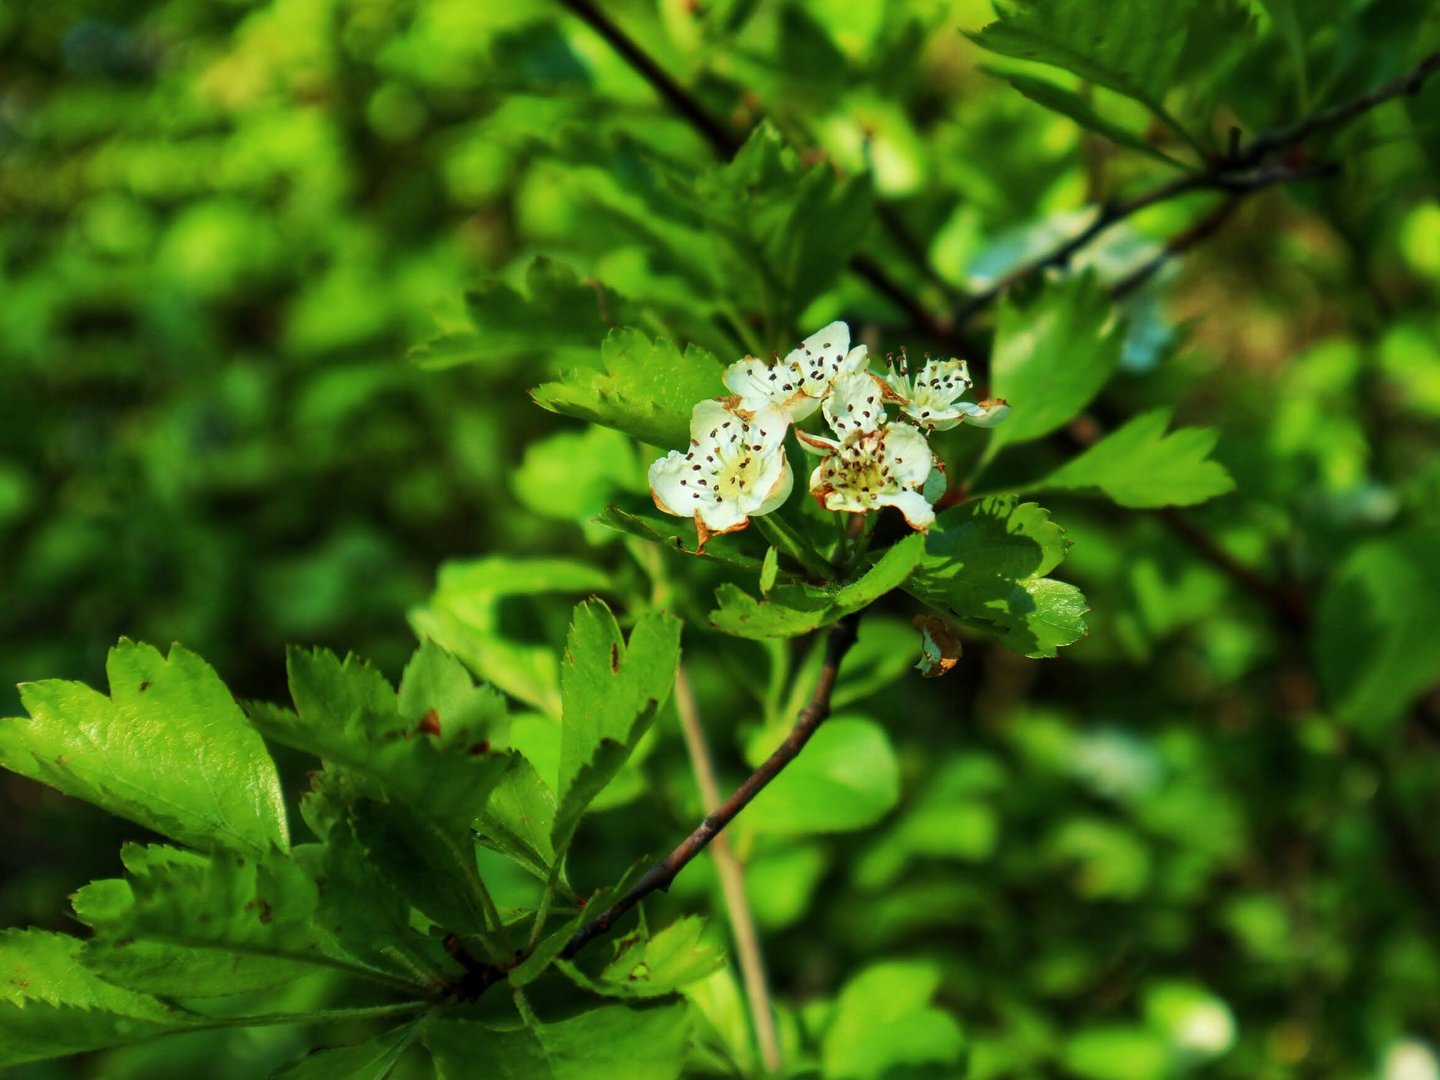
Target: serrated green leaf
(51, 1005)
(1139, 465)
(433, 868)
(438, 694)
(559, 931)
(610, 690)
(883, 1020)
(1070, 104)
(463, 615)
(847, 778)
(168, 749)
(615, 1042)
(644, 388)
(373, 1059)
(520, 818)
(791, 610)
(191, 923)
(561, 314)
(348, 715)
(1130, 46)
(645, 966)
(1377, 644)
(1052, 356)
(986, 562)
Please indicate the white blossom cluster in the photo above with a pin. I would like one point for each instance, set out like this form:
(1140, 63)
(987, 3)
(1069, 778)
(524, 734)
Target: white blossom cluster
(736, 467)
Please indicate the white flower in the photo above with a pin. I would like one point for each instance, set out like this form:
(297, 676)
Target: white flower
(797, 383)
(871, 467)
(735, 468)
(932, 398)
(857, 403)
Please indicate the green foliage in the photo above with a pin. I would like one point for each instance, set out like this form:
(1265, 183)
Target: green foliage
(987, 562)
(1052, 356)
(646, 388)
(1197, 844)
(1140, 466)
(168, 749)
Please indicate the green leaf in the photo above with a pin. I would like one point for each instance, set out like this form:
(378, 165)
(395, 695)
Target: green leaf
(561, 314)
(168, 749)
(615, 1042)
(1133, 47)
(571, 476)
(185, 924)
(791, 610)
(643, 966)
(986, 562)
(675, 535)
(361, 909)
(781, 230)
(519, 818)
(846, 778)
(883, 1020)
(373, 1059)
(610, 692)
(433, 868)
(645, 388)
(438, 694)
(463, 615)
(51, 1005)
(349, 716)
(1377, 642)
(1118, 1052)
(1139, 465)
(559, 932)
(1070, 104)
(1052, 356)
(769, 570)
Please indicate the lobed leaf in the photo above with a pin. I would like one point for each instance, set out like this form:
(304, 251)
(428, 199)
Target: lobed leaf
(51, 1005)
(644, 388)
(168, 749)
(987, 562)
(1139, 465)
(646, 966)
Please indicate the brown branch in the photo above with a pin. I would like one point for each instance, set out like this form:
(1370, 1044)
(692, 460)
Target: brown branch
(732, 879)
(659, 876)
(1238, 172)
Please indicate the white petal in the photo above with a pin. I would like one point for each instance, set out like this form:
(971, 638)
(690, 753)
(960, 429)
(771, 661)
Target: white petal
(803, 407)
(665, 476)
(856, 403)
(768, 427)
(918, 513)
(908, 455)
(986, 414)
(722, 516)
(760, 385)
(707, 421)
(819, 357)
(780, 492)
(855, 359)
(816, 444)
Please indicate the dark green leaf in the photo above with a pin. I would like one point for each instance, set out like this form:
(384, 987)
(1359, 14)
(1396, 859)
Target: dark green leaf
(561, 314)
(986, 562)
(373, 1059)
(520, 817)
(791, 610)
(1378, 635)
(611, 1043)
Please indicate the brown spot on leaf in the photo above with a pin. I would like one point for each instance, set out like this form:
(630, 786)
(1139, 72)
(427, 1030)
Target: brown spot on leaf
(145, 686)
(481, 747)
(614, 658)
(266, 915)
(430, 723)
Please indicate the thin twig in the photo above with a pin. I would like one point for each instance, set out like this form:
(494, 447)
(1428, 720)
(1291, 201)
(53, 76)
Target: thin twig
(659, 876)
(725, 143)
(1240, 171)
(732, 878)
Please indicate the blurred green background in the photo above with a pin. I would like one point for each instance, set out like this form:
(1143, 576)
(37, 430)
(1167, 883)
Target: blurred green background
(1172, 850)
